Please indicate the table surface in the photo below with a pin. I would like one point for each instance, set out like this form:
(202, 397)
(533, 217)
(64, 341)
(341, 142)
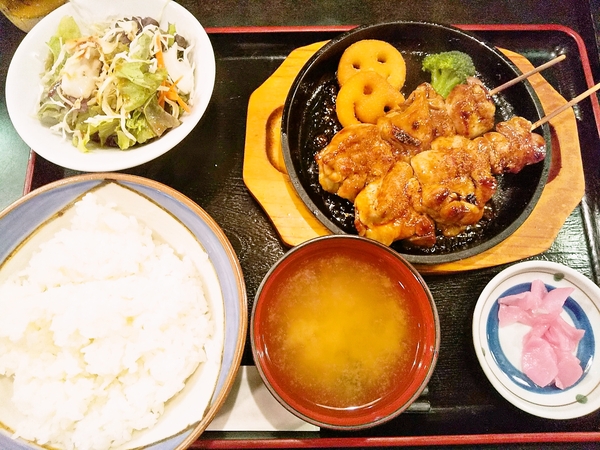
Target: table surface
(582, 16)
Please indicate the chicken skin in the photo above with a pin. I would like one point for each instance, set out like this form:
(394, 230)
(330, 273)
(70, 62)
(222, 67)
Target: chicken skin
(387, 209)
(411, 128)
(355, 156)
(456, 182)
(457, 174)
(513, 146)
(471, 109)
(468, 111)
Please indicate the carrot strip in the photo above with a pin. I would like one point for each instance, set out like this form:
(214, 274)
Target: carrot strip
(160, 62)
(171, 92)
(183, 104)
(159, 53)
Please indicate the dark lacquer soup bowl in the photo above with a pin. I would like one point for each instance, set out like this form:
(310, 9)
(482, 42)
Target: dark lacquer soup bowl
(309, 122)
(344, 332)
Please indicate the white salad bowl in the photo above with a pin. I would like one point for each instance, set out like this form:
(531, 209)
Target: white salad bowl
(192, 233)
(23, 83)
(499, 349)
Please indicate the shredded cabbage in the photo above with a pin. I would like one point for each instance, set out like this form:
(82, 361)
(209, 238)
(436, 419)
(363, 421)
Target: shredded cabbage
(124, 86)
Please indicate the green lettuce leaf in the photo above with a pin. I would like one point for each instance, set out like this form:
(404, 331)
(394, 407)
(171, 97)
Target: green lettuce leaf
(172, 30)
(158, 119)
(142, 49)
(106, 129)
(67, 30)
(123, 141)
(136, 83)
(81, 142)
(134, 95)
(50, 113)
(139, 127)
(138, 72)
(101, 130)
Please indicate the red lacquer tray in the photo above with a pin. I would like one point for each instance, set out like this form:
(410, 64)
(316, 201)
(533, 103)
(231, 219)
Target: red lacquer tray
(208, 167)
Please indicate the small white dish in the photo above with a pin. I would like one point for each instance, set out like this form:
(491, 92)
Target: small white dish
(23, 84)
(499, 349)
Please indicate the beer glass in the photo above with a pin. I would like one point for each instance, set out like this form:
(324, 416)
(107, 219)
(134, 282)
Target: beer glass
(26, 13)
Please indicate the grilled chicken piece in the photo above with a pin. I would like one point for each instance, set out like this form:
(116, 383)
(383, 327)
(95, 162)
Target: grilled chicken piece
(355, 156)
(411, 128)
(429, 163)
(456, 182)
(457, 174)
(513, 146)
(471, 109)
(387, 209)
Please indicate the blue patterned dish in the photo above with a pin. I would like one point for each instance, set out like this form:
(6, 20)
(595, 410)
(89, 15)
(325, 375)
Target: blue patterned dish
(499, 348)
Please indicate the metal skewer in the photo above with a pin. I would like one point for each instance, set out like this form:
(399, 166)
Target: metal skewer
(527, 74)
(557, 111)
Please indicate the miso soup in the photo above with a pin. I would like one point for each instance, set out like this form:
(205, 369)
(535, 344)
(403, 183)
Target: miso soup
(341, 333)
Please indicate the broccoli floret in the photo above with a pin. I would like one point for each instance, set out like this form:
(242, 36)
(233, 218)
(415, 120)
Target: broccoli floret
(448, 69)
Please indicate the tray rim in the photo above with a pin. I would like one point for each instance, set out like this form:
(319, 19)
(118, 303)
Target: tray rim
(205, 441)
(397, 441)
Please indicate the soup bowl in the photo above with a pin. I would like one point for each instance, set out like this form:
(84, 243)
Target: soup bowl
(344, 332)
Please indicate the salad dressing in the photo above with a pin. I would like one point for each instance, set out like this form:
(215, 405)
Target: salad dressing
(80, 73)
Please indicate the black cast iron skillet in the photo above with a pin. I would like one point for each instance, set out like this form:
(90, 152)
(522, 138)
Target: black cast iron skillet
(309, 122)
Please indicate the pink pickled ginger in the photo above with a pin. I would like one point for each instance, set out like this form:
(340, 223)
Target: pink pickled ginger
(549, 347)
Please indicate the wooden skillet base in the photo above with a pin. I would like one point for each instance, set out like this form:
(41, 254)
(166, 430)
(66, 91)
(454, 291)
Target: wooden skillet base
(266, 178)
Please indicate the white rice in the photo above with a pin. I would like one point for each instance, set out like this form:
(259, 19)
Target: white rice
(102, 327)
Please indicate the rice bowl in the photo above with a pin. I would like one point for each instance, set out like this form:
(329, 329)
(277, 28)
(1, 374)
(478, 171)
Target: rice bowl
(150, 346)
